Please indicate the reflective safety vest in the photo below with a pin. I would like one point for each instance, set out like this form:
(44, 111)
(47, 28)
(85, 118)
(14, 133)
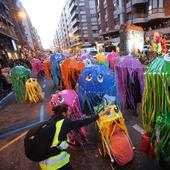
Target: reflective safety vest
(57, 161)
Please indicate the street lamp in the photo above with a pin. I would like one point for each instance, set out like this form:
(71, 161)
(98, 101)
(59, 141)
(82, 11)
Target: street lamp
(22, 14)
(71, 35)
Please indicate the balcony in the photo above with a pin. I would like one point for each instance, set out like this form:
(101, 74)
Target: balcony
(71, 2)
(139, 18)
(157, 13)
(105, 4)
(73, 7)
(138, 2)
(98, 8)
(75, 29)
(8, 32)
(75, 22)
(74, 15)
(117, 27)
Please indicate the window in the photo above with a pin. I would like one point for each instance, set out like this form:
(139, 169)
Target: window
(95, 31)
(117, 21)
(116, 3)
(129, 16)
(85, 39)
(161, 4)
(85, 32)
(105, 11)
(83, 16)
(155, 3)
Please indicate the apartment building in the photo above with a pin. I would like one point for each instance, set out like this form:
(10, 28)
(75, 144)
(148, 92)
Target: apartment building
(8, 37)
(78, 25)
(152, 15)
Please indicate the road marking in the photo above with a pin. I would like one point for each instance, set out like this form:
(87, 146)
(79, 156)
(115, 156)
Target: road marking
(6, 97)
(41, 118)
(138, 129)
(15, 131)
(42, 113)
(44, 85)
(45, 80)
(13, 141)
(43, 94)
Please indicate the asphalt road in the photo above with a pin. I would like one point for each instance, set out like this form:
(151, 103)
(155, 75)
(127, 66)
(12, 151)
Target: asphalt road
(16, 118)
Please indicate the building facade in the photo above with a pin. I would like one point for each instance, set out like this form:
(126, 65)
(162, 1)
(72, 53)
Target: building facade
(8, 38)
(152, 15)
(78, 25)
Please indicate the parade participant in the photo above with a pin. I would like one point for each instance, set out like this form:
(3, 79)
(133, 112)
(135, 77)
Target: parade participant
(63, 127)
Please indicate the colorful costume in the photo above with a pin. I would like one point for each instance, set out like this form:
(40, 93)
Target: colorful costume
(33, 91)
(93, 84)
(56, 60)
(71, 69)
(37, 66)
(70, 98)
(111, 58)
(156, 105)
(19, 75)
(130, 81)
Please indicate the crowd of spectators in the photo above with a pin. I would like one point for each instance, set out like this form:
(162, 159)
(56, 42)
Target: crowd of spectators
(5, 72)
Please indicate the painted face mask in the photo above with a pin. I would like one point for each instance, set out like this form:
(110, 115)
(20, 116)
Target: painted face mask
(55, 60)
(93, 84)
(70, 98)
(19, 75)
(71, 69)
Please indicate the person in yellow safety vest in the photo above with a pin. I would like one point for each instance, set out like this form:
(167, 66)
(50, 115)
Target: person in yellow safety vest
(64, 126)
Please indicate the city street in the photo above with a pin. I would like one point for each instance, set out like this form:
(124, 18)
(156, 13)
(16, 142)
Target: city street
(73, 58)
(16, 118)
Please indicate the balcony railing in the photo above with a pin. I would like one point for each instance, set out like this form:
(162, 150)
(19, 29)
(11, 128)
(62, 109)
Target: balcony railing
(75, 29)
(8, 32)
(138, 2)
(73, 15)
(75, 21)
(73, 7)
(156, 13)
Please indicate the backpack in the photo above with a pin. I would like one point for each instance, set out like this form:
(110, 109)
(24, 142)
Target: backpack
(38, 141)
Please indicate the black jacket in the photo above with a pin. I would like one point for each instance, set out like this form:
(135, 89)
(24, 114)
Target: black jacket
(69, 124)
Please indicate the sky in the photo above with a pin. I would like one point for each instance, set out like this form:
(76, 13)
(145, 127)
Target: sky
(44, 15)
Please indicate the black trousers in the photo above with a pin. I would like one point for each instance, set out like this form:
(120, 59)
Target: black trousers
(66, 167)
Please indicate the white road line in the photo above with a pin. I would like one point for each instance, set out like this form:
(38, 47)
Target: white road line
(45, 80)
(43, 94)
(138, 129)
(6, 97)
(44, 85)
(42, 113)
